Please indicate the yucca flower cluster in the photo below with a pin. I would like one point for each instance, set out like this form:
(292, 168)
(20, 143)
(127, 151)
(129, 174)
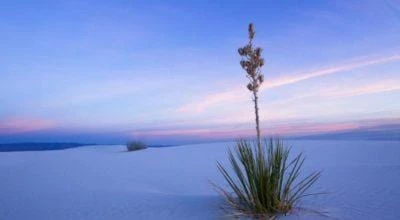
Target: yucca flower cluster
(252, 62)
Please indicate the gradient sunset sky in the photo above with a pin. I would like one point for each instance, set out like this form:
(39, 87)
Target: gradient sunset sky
(168, 71)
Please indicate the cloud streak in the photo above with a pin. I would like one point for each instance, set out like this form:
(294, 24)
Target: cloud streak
(10, 126)
(327, 71)
(286, 128)
(238, 93)
(318, 96)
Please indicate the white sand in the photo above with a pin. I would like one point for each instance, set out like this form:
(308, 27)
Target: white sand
(104, 182)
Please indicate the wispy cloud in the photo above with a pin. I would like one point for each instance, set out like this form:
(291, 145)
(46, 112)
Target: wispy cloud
(213, 99)
(211, 133)
(21, 125)
(286, 128)
(327, 71)
(238, 94)
(276, 110)
(343, 92)
(379, 87)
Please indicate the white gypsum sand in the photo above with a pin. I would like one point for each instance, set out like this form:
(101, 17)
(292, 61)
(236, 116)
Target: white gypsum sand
(106, 182)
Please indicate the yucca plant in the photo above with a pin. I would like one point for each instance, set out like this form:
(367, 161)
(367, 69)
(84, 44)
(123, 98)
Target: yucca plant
(265, 182)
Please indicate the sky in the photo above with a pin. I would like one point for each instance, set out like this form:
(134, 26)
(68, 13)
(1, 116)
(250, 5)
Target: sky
(168, 71)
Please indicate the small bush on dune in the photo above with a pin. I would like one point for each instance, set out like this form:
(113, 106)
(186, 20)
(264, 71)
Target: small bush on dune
(264, 181)
(135, 145)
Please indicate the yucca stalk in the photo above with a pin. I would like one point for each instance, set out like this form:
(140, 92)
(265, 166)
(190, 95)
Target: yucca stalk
(265, 182)
(252, 62)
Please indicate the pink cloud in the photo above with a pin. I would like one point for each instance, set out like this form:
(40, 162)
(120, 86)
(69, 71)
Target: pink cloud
(282, 109)
(342, 92)
(199, 133)
(21, 125)
(379, 87)
(214, 133)
(213, 99)
(169, 132)
(327, 71)
(238, 93)
(279, 128)
(312, 128)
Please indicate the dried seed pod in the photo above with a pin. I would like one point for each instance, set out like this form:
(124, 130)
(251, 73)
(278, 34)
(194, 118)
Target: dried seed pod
(261, 78)
(251, 31)
(243, 63)
(256, 85)
(258, 51)
(261, 62)
(240, 51)
(250, 71)
(250, 86)
(243, 50)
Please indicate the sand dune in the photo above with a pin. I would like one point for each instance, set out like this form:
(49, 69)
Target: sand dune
(104, 182)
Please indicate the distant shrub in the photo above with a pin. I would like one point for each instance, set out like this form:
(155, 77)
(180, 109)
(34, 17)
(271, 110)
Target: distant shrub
(265, 182)
(135, 145)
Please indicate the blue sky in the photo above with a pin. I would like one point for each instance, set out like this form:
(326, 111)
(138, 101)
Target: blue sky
(168, 71)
